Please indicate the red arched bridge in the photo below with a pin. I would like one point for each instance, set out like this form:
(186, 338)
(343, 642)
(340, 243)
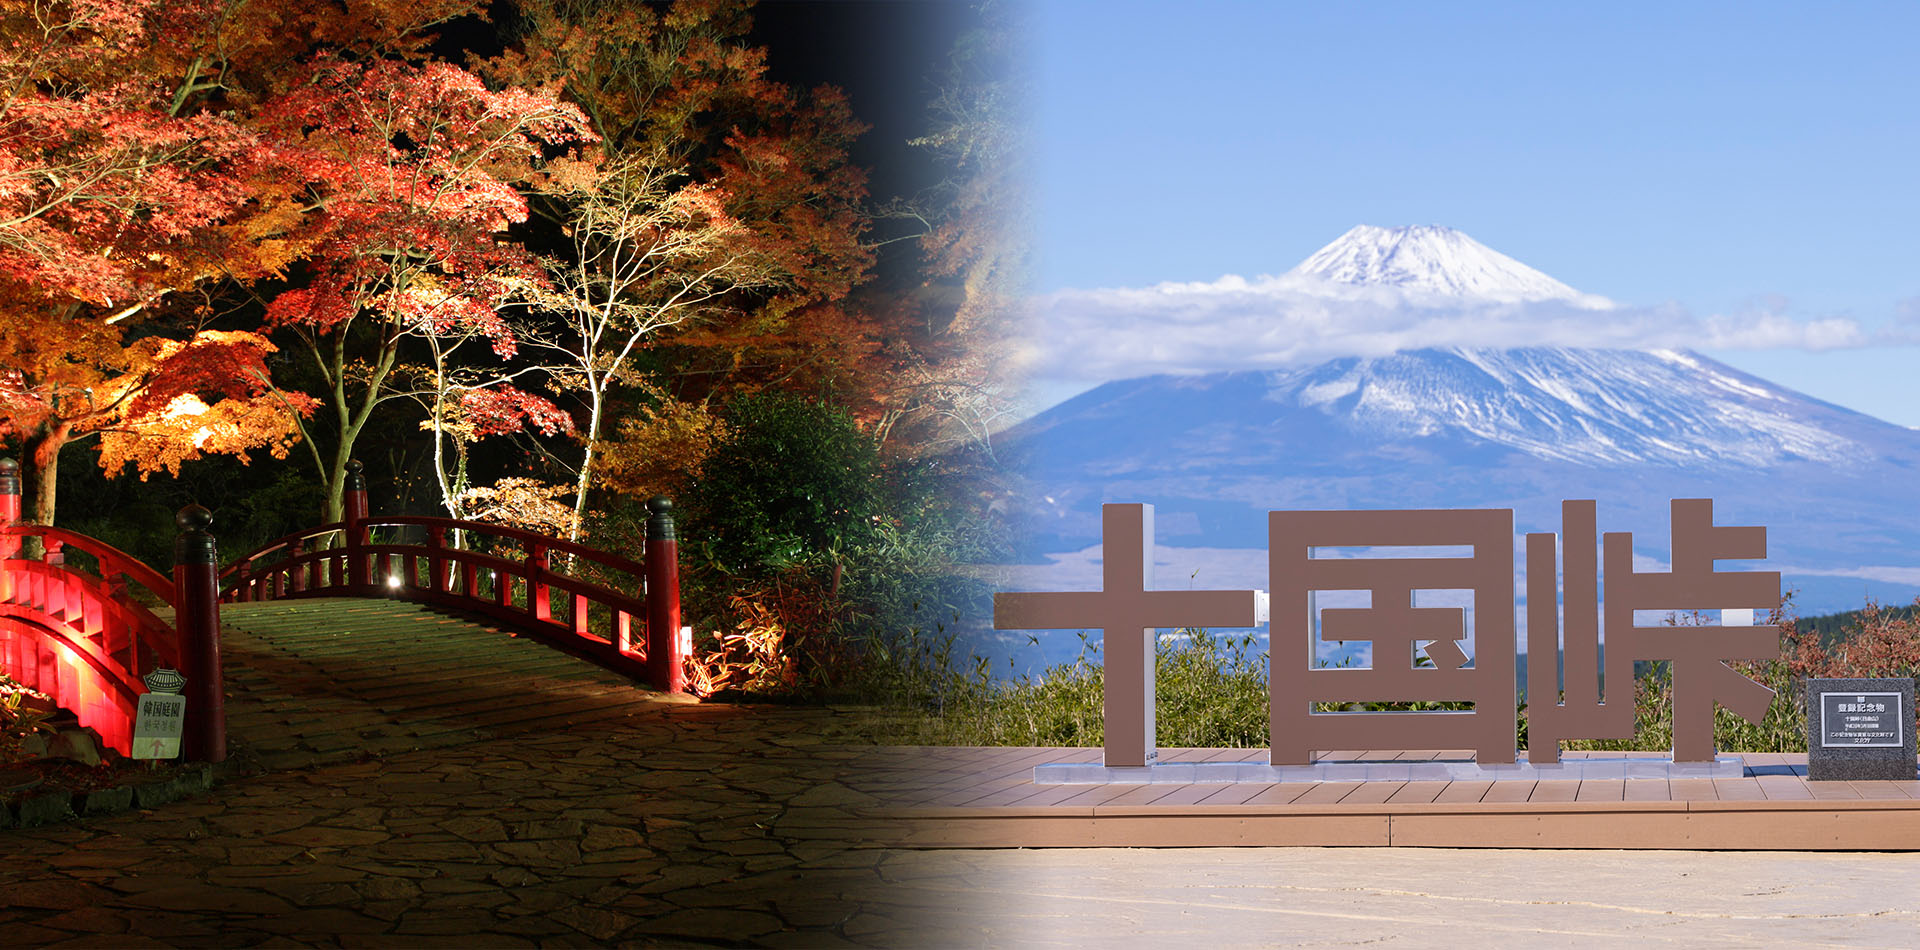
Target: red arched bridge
(89, 630)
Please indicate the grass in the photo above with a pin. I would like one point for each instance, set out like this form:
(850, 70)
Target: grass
(1211, 692)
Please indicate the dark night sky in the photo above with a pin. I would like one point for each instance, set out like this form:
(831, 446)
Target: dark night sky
(886, 54)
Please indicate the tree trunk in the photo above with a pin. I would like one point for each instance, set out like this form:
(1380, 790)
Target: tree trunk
(336, 485)
(586, 467)
(41, 470)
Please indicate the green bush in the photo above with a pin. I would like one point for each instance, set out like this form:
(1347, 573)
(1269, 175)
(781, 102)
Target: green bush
(1210, 691)
(793, 479)
(795, 535)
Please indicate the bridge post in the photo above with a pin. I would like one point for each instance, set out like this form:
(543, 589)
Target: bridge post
(354, 513)
(437, 561)
(9, 504)
(299, 571)
(538, 605)
(196, 583)
(664, 665)
(9, 515)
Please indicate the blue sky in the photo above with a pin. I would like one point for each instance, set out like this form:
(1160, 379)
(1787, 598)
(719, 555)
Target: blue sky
(1728, 162)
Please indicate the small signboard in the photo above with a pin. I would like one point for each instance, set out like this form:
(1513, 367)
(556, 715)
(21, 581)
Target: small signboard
(1862, 719)
(160, 716)
(1860, 729)
(158, 725)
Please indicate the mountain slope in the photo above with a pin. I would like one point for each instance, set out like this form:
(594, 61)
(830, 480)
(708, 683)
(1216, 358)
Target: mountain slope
(1520, 429)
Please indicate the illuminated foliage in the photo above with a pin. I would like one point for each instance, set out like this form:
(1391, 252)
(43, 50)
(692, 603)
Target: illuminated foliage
(521, 503)
(155, 402)
(660, 448)
(418, 165)
(146, 150)
(718, 200)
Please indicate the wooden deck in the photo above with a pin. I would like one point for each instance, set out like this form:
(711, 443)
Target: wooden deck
(986, 798)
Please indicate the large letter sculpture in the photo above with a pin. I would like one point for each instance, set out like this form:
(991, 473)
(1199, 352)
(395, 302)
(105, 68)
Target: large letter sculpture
(1700, 677)
(1128, 610)
(1395, 626)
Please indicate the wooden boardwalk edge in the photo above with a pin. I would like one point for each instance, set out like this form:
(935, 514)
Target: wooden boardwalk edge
(985, 797)
(1717, 825)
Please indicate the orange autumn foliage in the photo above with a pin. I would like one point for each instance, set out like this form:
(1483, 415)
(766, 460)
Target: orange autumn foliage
(155, 402)
(660, 449)
(717, 205)
(135, 166)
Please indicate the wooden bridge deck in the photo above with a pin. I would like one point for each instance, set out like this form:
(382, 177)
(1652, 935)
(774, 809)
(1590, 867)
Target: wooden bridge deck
(326, 679)
(986, 797)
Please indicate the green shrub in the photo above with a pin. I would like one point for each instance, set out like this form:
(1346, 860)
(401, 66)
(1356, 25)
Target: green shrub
(793, 479)
(1210, 691)
(796, 538)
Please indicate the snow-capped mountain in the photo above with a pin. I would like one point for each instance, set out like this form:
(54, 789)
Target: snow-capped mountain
(1521, 429)
(1602, 407)
(1434, 260)
(1462, 427)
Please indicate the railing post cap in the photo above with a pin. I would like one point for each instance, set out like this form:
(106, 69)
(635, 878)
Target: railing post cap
(660, 526)
(194, 545)
(193, 518)
(9, 467)
(356, 477)
(9, 477)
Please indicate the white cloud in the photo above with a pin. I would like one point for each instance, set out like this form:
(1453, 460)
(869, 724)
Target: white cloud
(1887, 574)
(1274, 322)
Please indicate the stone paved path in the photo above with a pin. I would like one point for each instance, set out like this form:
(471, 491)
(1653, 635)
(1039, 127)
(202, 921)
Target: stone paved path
(313, 680)
(663, 830)
(426, 781)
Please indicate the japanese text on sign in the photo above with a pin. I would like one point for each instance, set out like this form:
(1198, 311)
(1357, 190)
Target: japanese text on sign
(158, 724)
(1856, 719)
(1128, 610)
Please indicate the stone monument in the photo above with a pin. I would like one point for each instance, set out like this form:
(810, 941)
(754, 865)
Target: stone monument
(1860, 729)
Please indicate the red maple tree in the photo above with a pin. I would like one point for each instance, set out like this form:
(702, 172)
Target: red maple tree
(416, 165)
(121, 186)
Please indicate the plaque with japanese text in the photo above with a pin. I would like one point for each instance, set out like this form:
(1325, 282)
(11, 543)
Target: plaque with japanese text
(1862, 719)
(1860, 729)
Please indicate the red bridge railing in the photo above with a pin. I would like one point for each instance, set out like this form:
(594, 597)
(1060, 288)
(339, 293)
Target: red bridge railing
(620, 613)
(86, 639)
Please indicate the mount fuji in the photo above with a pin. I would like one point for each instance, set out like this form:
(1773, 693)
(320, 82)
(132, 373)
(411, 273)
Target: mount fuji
(1465, 427)
(1431, 260)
